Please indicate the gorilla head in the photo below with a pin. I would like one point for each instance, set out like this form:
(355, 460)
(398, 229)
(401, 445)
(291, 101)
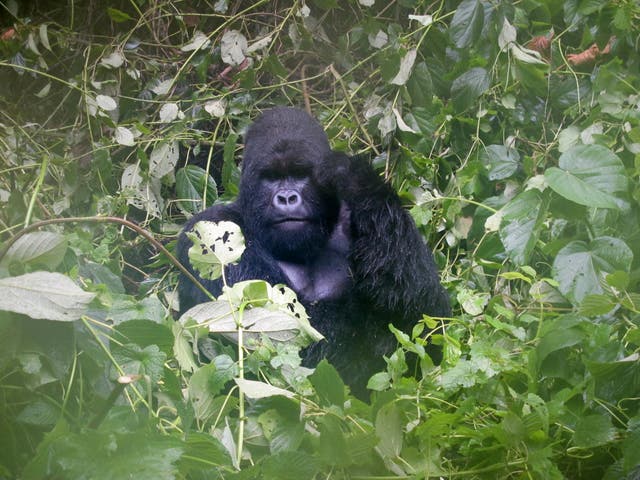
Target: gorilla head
(283, 206)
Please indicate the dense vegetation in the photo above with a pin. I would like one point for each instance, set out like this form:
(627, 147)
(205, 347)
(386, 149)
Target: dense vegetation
(511, 130)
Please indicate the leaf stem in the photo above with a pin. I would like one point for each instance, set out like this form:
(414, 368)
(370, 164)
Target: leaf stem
(39, 182)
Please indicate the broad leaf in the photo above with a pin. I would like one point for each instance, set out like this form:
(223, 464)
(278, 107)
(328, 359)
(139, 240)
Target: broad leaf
(191, 182)
(163, 158)
(255, 389)
(328, 384)
(501, 162)
(389, 427)
(37, 248)
(580, 267)
(521, 224)
(233, 47)
(406, 66)
(141, 455)
(590, 175)
(289, 466)
(468, 87)
(467, 23)
(141, 193)
(594, 430)
(46, 295)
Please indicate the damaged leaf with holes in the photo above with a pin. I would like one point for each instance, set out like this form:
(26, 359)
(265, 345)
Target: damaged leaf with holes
(215, 244)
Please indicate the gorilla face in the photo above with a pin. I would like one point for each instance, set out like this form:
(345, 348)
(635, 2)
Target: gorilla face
(289, 213)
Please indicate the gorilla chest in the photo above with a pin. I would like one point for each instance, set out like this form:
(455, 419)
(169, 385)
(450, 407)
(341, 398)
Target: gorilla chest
(326, 278)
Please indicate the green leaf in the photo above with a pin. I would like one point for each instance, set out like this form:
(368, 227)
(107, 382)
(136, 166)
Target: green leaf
(39, 413)
(631, 449)
(287, 434)
(590, 175)
(389, 430)
(500, 161)
(379, 381)
(521, 224)
(145, 333)
(333, 448)
(135, 360)
(191, 182)
(37, 248)
(255, 389)
(204, 385)
(563, 332)
(118, 15)
(420, 86)
(580, 267)
(328, 384)
(467, 23)
(594, 430)
(140, 455)
(202, 451)
(46, 295)
(616, 380)
(289, 466)
(468, 87)
(593, 305)
(101, 275)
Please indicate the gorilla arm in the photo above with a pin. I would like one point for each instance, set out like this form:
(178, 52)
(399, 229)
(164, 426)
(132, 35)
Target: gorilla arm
(391, 264)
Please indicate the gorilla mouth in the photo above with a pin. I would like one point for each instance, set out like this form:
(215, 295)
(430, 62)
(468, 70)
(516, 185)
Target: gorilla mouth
(292, 222)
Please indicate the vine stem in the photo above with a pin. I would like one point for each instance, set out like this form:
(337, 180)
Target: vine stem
(40, 181)
(120, 221)
(240, 330)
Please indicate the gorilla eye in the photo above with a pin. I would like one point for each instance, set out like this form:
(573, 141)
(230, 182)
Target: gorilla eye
(270, 175)
(299, 171)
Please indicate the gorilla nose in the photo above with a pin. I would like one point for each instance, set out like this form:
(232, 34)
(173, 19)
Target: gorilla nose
(286, 199)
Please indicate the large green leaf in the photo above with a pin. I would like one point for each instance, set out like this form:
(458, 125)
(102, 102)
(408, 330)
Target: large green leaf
(590, 175)
(328, 384)
(46, 295)
(594, 430)
(521, 223)
(108, 455)
(37, 248)
(501, 162)
(467, 23)
(579, 267)
(191, 183)
(468, 87)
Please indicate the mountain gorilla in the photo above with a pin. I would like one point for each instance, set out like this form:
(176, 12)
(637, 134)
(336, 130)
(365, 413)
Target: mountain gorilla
(330, 228)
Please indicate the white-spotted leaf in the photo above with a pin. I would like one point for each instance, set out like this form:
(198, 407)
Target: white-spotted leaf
(215, 244)
(163, 159)
(106, 103)
(233, 47)
(406, 66)
(124, 136)
(198, 41)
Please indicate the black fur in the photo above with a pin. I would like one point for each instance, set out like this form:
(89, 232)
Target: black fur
(357, 261)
